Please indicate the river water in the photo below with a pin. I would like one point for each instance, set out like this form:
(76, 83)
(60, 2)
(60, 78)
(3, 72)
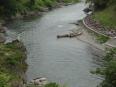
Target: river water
(65, 61)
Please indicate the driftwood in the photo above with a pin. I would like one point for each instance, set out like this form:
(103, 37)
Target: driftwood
(69, 35)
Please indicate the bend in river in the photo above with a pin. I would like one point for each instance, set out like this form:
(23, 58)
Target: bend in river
(66, 61)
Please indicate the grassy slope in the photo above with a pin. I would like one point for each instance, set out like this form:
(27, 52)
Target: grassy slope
(106, 17)
(12, 56)
(12, 64)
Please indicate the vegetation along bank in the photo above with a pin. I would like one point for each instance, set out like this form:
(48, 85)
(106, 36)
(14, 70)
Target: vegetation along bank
(10, 9)
(13, 55)
(103, 21)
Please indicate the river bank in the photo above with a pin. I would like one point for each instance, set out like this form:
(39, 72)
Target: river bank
(104, 36)
(12, 61)
(87, 37)
(12, 64)
(31, 8)
(29, 14)
(15, 53)
(102, 24)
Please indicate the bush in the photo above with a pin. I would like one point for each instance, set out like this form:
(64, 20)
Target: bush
(102, 39)
(108, 71)
(12, 64)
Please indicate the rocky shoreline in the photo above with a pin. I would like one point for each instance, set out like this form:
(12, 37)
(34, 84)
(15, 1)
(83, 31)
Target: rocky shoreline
(95, 25)
(21, 67)
(99, 29)
(35, 13)
(26, 15)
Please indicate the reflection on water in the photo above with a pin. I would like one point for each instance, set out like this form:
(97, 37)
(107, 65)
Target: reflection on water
(66, 61)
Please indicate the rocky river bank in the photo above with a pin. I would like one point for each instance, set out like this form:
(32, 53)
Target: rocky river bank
(12, 61)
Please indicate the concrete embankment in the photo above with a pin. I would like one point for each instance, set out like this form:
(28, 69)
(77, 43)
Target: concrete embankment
(112, 40)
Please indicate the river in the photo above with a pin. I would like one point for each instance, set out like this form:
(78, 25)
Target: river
(65, 61)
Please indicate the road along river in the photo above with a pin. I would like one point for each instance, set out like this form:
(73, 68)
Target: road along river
(66, 61)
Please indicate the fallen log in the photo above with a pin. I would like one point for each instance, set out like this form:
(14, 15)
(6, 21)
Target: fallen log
(69, 35)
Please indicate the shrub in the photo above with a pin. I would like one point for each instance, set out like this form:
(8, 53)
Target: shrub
(108, 70)
(101, 38)
(52, 84)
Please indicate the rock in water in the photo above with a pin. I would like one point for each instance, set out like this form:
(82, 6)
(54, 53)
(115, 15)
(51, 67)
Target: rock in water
(39, 81)
(86, 10)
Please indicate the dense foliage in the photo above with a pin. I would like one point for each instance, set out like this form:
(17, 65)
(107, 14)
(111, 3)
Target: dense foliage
(108, 70)
(100, 4)
(11, 7)
(104, 12)
(12, 64)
